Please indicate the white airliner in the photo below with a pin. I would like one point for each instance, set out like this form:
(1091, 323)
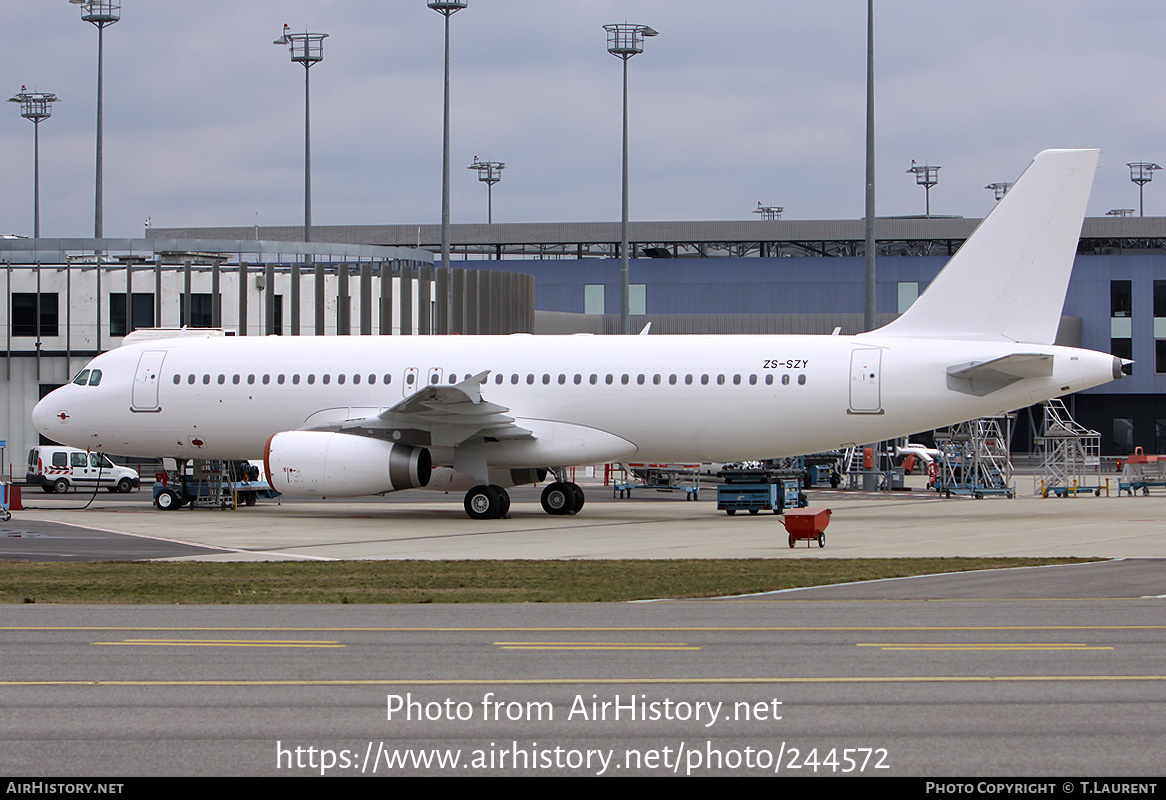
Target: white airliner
(348, 416)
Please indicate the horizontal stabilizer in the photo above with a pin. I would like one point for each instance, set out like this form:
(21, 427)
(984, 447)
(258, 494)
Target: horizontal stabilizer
(984, 377)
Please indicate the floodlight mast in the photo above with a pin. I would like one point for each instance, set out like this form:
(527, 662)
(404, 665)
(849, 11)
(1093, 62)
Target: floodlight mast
(1141, 173)
(307, 49)
(768, 212)
(447, 8)
(623, 42)
(489, 173)
(35, 106)
(1000, 188)
(925, 176)
(101, 14)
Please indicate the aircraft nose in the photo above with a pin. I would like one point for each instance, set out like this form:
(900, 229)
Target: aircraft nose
(45, 413)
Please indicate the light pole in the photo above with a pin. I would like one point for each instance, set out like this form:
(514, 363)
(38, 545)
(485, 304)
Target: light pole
(925, 176)
(768, 212)
(1000, 188)
(1141, 173)
(623, 42)
(489, 173)
(35, 106)
(307, 49)
(101, 13)
(447, 8)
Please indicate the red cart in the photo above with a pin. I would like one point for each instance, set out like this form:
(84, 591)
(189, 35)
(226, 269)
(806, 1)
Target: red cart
(807, 524)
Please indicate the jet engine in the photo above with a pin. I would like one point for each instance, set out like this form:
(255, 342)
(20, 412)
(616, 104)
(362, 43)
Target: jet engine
(321, 464)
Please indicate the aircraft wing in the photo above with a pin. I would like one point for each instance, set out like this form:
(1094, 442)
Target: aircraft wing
(434, 416)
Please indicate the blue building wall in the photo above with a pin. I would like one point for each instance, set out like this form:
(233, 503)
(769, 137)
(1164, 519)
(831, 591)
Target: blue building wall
(824, 285)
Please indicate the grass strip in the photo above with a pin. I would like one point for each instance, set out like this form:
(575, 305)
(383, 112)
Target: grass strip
(286, 582)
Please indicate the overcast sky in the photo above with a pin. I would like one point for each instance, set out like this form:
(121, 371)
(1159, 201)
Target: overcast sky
(733, 103)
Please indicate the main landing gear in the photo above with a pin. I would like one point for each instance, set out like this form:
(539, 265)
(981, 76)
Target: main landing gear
(487, 502)
(492, 502)
(561, 497)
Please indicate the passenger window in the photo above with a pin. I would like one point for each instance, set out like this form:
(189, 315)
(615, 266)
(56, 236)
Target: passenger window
(311, 379)
(563, 378)
(235, 379)
(251, 379)
(720, 380)
(326, 378)
(736, 380)
(624, 379)
(546, 378)
(340, 379)
(609, 378)
(529, 379)
(388, 379)
(594, 379)
(372, 379)
(206, 379)
(672, 379)
(190, 378)
(95, 377)
(752, 380)
(222, 379)
(296, 378)
(177, 379)
(785, 380)
(452, 378)
(266, 379)
(688, 380)
(801, 380)
(279, 379)
(704, 380)
(77, 459)
(82, 378)
(499, 378)
(578, 379)
(356, 378)
(514, 378)
(60, 459)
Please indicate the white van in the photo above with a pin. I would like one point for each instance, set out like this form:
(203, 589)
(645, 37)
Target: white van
(58, 468)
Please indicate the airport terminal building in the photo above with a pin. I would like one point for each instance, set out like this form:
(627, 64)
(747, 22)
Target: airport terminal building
(806, 276)
(69, 299)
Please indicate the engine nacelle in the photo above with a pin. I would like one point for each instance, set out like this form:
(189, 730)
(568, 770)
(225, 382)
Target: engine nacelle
(321, 464)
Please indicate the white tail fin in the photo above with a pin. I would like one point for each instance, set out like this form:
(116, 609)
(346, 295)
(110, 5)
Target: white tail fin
(1008, 281)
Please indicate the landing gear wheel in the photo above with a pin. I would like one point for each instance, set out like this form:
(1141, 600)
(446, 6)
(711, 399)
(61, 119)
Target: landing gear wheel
(558, 498)
(167, 500)
(483, 502)
(60, 486)
(577, 506)
(504, 500)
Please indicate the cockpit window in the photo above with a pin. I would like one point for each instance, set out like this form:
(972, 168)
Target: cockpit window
(95, 377)
(82, 377)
